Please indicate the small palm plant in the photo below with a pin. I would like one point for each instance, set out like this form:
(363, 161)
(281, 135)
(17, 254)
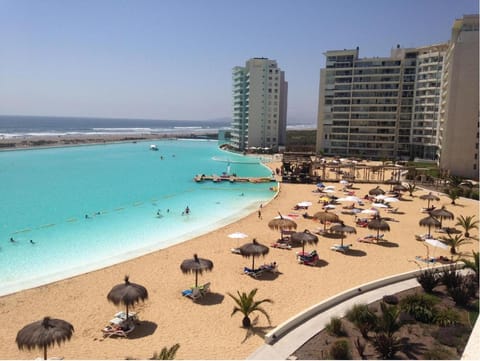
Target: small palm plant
(455, 241)
(166, 353)
(411, 188)
(467, 223)
(453, 194)
(473, 265)
(246, 305)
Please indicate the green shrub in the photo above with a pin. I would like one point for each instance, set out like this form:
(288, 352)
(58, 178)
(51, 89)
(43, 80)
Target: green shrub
(446, 317)
(335, 327)
(450, 277)
(340, 350)
(364, 319)
(386, 345)
(460, 294)
(428, 279)
(420, 307)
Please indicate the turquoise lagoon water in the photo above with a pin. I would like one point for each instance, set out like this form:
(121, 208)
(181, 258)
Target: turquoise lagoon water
(46, 194)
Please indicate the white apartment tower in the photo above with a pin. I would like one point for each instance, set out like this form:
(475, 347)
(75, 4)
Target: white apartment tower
(259, 105)
(382, 107)
(459, 111)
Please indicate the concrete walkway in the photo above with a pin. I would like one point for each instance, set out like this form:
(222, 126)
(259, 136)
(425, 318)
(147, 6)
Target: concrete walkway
(289, 343)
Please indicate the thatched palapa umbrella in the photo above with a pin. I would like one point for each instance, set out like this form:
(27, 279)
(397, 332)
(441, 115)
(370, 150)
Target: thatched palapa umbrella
(43, 334)
(429, 222)
(197, 265)
(379, 224)
(376, 191)
(429, 197)
(253, 249)
(399, 188)
(342, 228)
(304, 237)
(326, 216)
(442, 214)
(282, 223)
(127, 294)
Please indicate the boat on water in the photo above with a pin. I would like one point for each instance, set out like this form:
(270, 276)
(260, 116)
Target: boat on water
(153, 147)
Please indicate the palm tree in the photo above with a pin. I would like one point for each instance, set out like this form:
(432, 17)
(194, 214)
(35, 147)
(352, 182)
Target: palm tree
(454, 181)
(453, 194)
(411, 188)
(467, 223)
(246, 305)
(473, 265)
(166, 353)
(455, 241)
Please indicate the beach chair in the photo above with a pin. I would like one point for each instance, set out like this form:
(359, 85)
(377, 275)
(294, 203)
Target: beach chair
(272, 267)
(121, 330)
(205, 289)
(194, 293)
(281, 245)
(340, 248)
(253, 272)
(235, 250)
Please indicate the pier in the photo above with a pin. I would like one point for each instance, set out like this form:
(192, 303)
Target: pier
(231, 178)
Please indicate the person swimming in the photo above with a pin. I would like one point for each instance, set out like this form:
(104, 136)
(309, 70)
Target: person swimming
(31, 241)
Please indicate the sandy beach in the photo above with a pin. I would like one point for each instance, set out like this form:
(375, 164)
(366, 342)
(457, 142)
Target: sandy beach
(205, 329)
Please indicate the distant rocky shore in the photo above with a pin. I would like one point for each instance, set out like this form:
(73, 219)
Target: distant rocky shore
(76, 139)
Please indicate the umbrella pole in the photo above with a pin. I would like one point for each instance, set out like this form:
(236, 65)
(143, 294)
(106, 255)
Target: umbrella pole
(378, 233)
(342, 240)
(253, 263)
(127, 313)
(44, 352)
(303, 247)
(196, 278)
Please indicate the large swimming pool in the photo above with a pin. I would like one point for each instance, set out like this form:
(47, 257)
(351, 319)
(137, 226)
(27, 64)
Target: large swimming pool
(87, 207)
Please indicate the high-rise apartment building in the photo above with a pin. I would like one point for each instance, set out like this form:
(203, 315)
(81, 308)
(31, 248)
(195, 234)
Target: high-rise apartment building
(259, 105)
(380, 107)
(459, 112)
(416, 103)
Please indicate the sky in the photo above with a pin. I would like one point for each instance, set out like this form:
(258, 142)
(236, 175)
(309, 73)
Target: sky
(173, 59)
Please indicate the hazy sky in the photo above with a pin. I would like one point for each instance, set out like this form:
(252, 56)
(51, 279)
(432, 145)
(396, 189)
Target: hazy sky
(172, 59)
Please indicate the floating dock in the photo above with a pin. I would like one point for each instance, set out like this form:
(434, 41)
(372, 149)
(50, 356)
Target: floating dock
(231, 178)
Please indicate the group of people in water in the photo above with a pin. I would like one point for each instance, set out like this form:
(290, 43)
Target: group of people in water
(185, 212)
(12, 240)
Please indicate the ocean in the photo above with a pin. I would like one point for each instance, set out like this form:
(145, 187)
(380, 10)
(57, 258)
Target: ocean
(25, 126)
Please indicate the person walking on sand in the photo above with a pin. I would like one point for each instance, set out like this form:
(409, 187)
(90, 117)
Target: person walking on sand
(259, 214)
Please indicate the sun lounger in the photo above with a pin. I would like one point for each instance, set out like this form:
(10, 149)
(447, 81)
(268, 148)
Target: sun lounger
(281, 245)
(272, 267)
(253, 272)
(121, 330)
(340, 248)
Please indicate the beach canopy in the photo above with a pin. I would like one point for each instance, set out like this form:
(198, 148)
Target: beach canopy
(282, 223)
(253, 249)
(43, 334)
(127, 294)
(378, 224)
(304, 204)
(326, 216)
(304, 237)
(196, 265)
(429, 197)
(342, 228)
(376, 191)
(442, 213)
(429, 222)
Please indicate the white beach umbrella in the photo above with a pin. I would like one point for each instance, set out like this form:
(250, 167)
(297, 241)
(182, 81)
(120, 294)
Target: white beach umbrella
(390, 199)
(237, 235)
(343, 181)
(380, 197)
(436, 243)
(329, 190)
(369, 211)
(304, 204)
(329, 206)
(349, 199)
(379, 205)
(330, 187)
